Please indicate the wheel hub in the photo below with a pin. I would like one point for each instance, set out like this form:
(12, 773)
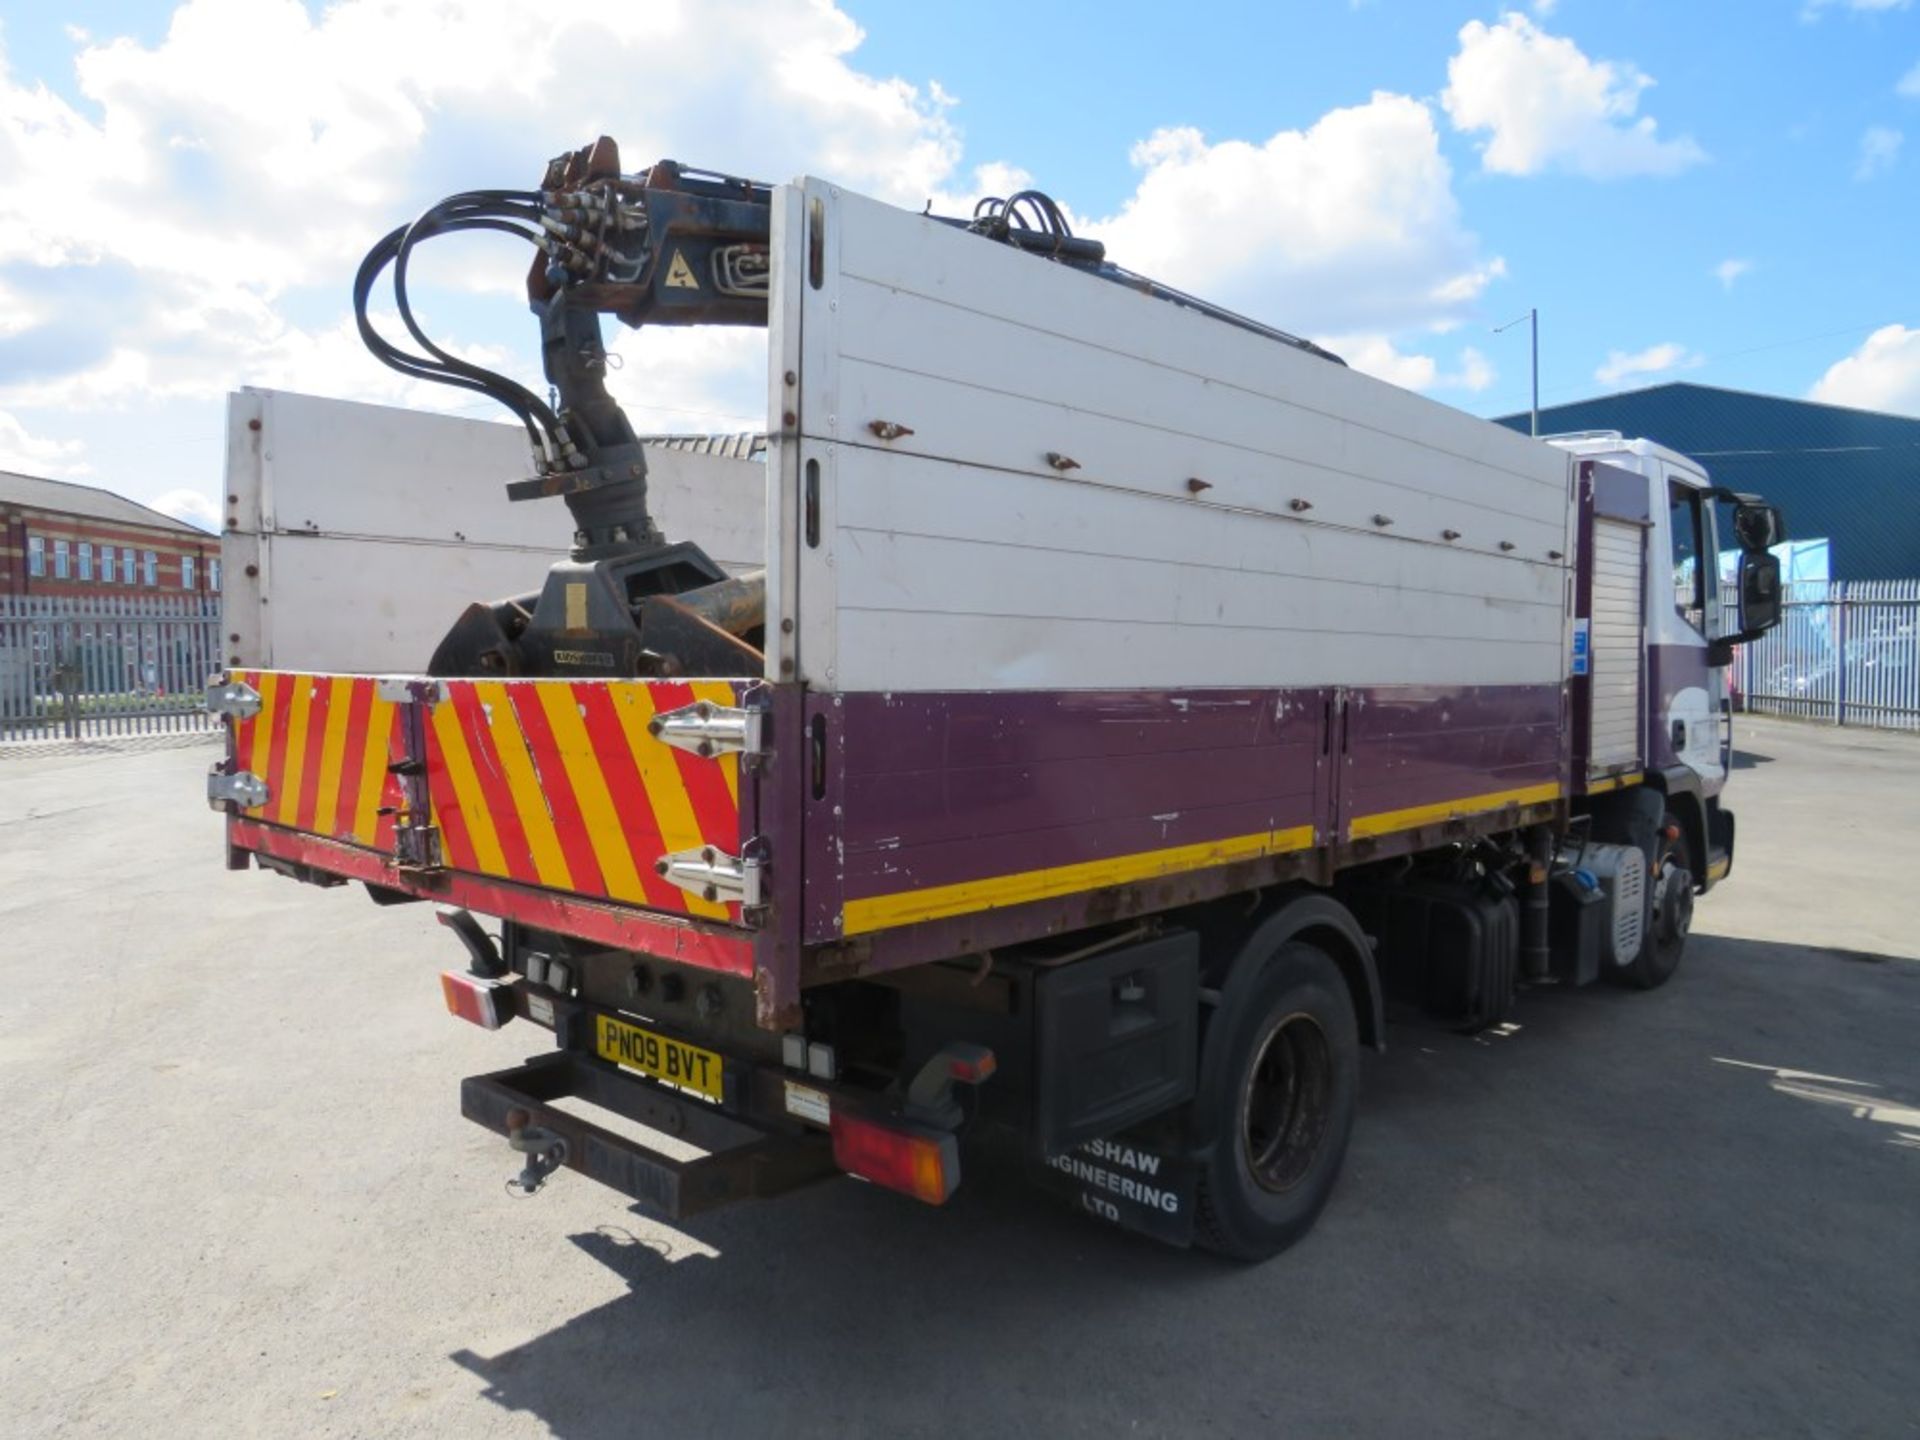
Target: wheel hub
(1676, 903)
(1287, 1105)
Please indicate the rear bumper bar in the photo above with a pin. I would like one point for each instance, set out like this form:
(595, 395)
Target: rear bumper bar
(689, 942)
(742, 1161)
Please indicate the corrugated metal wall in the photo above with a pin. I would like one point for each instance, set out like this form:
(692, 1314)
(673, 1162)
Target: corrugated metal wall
(1850, 475)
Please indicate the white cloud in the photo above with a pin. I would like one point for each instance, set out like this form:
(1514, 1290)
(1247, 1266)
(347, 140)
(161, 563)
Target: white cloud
(701, 378)
(1349, 226)
(192, 220)
(257, 148)
(1813, 9)
(1883, 374)
(1654, 360)
(193, 506)
(1476, 372)
(1544, 104)
(30, 454)
(1544, 8)
(1879, 152)
(1730, 270)
(1378, 356)
(1375, 355)
(1909, 83)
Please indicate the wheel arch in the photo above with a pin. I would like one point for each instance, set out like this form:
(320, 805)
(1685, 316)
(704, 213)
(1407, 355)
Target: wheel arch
(1315, 918)
(1681, 789)
(1319, 920)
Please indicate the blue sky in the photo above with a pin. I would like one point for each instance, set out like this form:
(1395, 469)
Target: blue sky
(1721, 192)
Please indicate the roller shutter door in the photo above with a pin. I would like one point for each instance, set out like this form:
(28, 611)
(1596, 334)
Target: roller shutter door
(1618, 642)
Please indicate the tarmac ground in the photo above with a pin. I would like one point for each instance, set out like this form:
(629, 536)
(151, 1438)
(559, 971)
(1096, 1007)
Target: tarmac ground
(242, 1201)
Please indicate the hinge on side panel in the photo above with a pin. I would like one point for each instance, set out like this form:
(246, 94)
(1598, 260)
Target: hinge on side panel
(242, 790)
(713, 874)
(417, 848)
(704, 728)
(234, 698)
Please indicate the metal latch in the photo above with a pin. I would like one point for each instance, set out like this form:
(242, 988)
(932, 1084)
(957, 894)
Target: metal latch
(242, 789)
(234, 698)
(704, 728)
(713, 874)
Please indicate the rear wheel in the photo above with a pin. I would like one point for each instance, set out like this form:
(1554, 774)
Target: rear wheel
(1285, 1097)
(1670, 918)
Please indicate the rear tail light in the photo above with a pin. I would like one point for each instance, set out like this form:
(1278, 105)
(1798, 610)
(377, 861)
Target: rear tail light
(922, 1163)
(487, 1003)
(970, 1064)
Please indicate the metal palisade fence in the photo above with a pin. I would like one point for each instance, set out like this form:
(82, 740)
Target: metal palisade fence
(87, 667)
(1845, 651)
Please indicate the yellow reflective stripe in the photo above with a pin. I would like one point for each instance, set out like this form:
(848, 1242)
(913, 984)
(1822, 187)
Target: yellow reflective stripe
(529, 803)
(333, 746)
(1612, 782)
(590, 792)
(1387, 821)
(940, 901)
(719, 692)
(373, 769)
(292, 769)
(467, 794)
(672, 810)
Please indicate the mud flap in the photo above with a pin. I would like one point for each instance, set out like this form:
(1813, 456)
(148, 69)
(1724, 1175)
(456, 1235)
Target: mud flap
(1125, 1183)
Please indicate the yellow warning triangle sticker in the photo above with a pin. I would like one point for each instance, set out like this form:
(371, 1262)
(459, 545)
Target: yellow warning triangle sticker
(680, 274)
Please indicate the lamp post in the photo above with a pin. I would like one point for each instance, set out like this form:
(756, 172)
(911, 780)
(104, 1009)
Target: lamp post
(1532, 317)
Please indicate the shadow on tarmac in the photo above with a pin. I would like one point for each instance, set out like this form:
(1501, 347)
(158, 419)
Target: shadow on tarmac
(1488, 1173)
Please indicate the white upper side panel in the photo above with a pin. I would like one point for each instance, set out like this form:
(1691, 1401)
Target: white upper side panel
(371, 528)
(1235, 511)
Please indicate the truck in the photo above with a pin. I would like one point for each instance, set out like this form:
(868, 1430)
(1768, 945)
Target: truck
(1128, 704)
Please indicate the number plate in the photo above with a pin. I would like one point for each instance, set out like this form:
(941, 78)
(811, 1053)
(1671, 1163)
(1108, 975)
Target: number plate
(674, 1061)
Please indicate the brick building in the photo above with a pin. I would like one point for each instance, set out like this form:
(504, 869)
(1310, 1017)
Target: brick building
(62, 539)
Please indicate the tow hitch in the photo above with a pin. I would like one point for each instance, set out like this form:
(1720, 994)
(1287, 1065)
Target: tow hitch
(741, 1160)
(546, 1152)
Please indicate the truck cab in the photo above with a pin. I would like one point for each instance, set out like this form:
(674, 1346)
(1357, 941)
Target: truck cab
(1690, 626)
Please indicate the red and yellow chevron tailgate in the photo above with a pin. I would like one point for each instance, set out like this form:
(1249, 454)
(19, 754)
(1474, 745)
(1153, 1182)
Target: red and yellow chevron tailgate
(553, 783)
(323, 744)
(560, 784)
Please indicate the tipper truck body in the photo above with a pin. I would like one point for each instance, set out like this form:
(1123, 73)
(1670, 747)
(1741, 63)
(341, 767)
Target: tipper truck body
(1138, 703)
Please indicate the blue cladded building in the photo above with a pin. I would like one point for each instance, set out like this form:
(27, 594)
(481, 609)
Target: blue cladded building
(1852, 476)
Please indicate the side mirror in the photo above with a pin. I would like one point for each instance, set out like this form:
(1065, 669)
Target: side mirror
(1757, 526)
(1759, 594)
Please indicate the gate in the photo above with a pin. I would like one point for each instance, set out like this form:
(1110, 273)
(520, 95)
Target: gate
(1847, 652)
(87, 667)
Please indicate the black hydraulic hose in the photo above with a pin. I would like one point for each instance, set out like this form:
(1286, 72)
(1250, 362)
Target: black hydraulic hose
(474, 210)
(528, 400)
(412, 365)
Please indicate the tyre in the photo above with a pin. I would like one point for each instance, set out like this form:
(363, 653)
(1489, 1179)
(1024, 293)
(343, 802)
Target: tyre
(1284, 1099)
(1670, 916)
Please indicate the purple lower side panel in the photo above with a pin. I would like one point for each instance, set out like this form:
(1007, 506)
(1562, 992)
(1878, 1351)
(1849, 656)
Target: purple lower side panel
(911, 792)
(929, 790)
(1411, 747)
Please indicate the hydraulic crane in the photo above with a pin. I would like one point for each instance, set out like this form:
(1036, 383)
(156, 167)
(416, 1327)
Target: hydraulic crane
(667, 246)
